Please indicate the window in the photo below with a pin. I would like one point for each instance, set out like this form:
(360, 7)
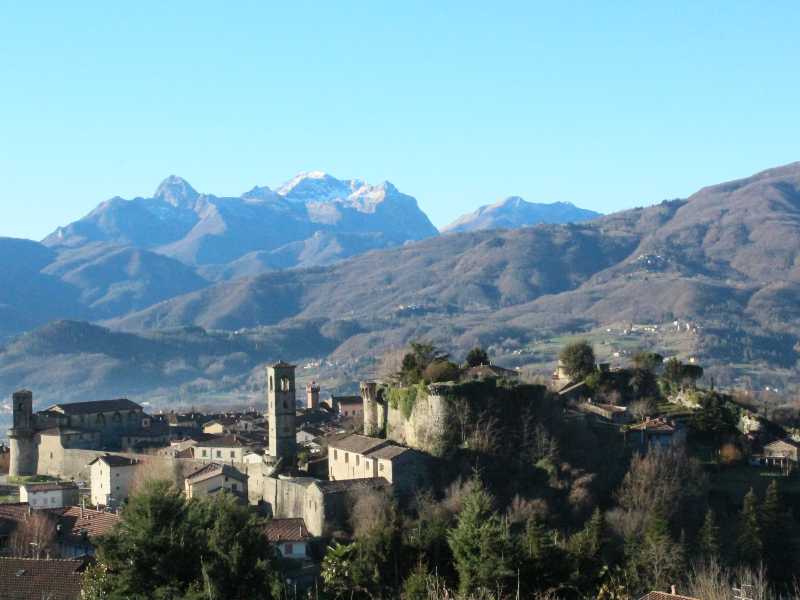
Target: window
(270, 383)
(380, 467)
(288, 548)
(346, 457)
(233, 487)
(204, 453)
(357, 459)
(233, 453)
(335, 455)
(219, 453)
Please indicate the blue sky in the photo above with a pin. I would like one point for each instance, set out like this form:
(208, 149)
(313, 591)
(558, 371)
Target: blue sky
(607, 105)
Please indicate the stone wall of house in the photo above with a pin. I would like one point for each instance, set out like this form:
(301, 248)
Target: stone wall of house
(292, 498)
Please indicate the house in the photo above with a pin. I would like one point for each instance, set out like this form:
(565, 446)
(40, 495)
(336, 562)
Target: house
(608, 412)
(355, 456)
(656, 432)
(61, 532)
(229, 448)
(781, 453)
(49, 495)
(215, 478)
(348, 406)
(111, 478)
(220, 426)
(289, 536)
(35, 579)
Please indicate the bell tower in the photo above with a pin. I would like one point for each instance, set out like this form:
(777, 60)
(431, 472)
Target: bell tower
(281, 406)
(23, 455)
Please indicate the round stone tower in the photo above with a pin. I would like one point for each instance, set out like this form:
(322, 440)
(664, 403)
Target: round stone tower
(23, 449)
(369, 395)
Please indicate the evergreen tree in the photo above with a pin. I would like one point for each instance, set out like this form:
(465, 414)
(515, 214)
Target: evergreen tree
(776, 534)
(578, 359)
(476, 357)
(749, 540)
(481, 545)
(708, 538)
(658, 560)
(168, 547)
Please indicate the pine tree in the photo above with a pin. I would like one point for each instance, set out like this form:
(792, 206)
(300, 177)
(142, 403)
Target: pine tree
(776, 534)
(708, 537)
(749, 540)
(481, 545)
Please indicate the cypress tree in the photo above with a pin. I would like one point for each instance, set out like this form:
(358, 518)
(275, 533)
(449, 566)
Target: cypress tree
(708, 537)
(749, 540)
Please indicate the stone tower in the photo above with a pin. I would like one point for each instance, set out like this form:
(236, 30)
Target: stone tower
(374, 408)
(281, 411)
(312, 396)
(23, 449)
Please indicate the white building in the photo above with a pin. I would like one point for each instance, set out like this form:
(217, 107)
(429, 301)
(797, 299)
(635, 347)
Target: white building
(224, 449)
(215, 478)
(289, 536)
(49, 495)
(111, 478)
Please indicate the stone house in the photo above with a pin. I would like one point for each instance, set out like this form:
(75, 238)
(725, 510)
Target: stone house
(782, 453)
(656, 432)
(348, 406)
(49, 495)
(323, 505)
(354, 456)
(608, 412)
(111, 478)
(289, 536)
(215, 478)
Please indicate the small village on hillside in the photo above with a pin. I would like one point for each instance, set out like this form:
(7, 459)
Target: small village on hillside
(315, 469)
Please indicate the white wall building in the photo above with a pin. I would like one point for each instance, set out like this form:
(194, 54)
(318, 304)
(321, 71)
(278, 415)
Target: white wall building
(111, 478)
(49, 495)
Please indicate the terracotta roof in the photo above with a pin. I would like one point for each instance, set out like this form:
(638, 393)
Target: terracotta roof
(223, 441)
(73, 522)
(388, 452)
(213, 470)
(112, 460)
(654, 426)
(354, 442)
(50, 486)
(348, 400)
(286, 530)
(785, 442)
(34, 579)
(84, 408)
(665, 596)
(93, 522)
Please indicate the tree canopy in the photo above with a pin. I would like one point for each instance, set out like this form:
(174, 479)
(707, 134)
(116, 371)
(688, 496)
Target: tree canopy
(578, 359)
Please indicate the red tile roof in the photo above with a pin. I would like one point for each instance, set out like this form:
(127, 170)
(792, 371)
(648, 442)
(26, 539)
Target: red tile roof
(286, 530)
(34, 579)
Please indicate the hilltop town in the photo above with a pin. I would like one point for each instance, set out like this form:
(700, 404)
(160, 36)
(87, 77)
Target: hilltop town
(436, 436)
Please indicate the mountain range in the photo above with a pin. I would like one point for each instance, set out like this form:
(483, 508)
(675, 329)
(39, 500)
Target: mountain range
(514, 212)
(715, 276)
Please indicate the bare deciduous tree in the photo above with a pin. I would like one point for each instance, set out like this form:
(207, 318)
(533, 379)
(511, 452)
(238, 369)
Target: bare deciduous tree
(35, 535)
